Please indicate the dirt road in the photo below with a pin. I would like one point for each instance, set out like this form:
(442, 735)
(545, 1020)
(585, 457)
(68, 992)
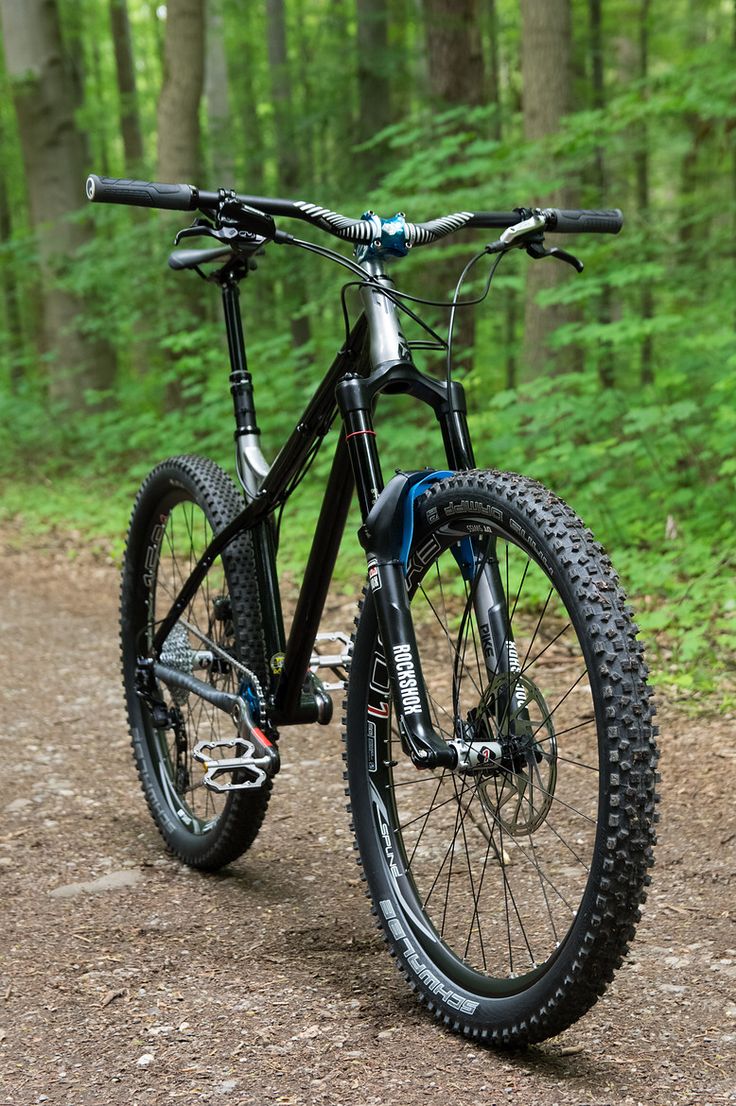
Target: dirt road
(128, 979)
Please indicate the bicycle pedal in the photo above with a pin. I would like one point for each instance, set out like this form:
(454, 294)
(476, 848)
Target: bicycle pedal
(258, 768)
(335, 662)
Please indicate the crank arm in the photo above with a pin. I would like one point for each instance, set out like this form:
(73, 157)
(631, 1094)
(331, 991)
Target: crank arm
(259, 759)
(248, 732)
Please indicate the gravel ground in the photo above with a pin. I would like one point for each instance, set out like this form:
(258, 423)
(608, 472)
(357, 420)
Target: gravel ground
(129, 979)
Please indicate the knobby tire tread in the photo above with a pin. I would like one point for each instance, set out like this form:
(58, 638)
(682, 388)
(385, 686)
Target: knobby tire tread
(629, 745)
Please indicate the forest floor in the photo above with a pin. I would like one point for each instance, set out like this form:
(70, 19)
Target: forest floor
(129, 979)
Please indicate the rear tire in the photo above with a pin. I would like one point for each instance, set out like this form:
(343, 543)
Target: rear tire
(180, 506)
(508, 895)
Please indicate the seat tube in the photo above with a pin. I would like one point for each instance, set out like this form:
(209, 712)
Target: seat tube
(251, 464)
(252, 467)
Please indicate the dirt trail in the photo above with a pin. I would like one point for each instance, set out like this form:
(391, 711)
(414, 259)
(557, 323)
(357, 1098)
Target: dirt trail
(128, 979)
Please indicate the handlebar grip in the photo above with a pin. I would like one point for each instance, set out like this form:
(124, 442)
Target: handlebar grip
(584, 222)
(140, 193)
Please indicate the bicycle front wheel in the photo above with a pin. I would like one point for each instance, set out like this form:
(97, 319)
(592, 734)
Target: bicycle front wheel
(508, 893)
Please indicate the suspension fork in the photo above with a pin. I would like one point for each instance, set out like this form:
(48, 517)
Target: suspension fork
(387, 514)
(500, 655)
(386, 536)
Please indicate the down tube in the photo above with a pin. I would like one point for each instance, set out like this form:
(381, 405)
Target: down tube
(317, 576)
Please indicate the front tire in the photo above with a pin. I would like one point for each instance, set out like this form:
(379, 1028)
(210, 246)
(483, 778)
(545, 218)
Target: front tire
(508, 895)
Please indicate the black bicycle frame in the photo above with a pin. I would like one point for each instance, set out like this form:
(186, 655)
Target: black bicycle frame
(352, 387)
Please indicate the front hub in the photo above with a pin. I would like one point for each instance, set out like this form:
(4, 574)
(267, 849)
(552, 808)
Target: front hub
(511, 750)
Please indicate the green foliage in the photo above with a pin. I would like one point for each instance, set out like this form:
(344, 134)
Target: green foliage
(648, 463)
(655, 482)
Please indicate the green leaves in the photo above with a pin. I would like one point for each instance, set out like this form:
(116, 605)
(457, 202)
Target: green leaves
(650, 464)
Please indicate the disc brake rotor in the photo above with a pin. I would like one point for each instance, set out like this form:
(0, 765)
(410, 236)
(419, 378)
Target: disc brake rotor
(518, 791)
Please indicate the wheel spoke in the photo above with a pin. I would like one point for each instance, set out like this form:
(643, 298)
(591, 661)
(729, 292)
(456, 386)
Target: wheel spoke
(501, 824)
(426, 819)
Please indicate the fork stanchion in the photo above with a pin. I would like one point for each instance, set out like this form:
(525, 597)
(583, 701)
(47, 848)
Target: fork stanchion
(355, 408)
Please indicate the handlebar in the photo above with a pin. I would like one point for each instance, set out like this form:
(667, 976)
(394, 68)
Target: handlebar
(584, 222)
(185, 197)
(140, 193)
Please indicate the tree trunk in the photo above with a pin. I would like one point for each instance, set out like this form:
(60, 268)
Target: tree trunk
(374, 90)
(510, 298)
(691, 171)
(252, 136)
(179, 160)
(312, 150)
(733, 153)
(99, 148)
(219, 123)
(287, 148)
(641, 162)
(338, 126)
(130, 124)
(494, 77)
(606, 366)
(454, 52)
(178, 105)
(455, 67)
(545, 65)
(547, 97)
(45, 94)
(287, 151)
(404, 58)
(8, 285)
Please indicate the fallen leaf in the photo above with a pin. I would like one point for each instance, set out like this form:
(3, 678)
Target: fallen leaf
(308, 1034)
(111, 996)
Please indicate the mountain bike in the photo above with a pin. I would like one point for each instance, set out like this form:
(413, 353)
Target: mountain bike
(499, 747)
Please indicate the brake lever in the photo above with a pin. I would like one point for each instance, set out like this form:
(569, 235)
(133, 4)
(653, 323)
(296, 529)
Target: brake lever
(537, 250)
(242, 242)
(201, 227)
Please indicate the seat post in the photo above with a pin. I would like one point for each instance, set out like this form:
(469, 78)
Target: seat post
(234, 324)
(251, 464)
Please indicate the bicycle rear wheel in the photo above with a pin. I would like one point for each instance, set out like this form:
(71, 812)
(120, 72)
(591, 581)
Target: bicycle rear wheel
(508, 894)
(180, 506)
